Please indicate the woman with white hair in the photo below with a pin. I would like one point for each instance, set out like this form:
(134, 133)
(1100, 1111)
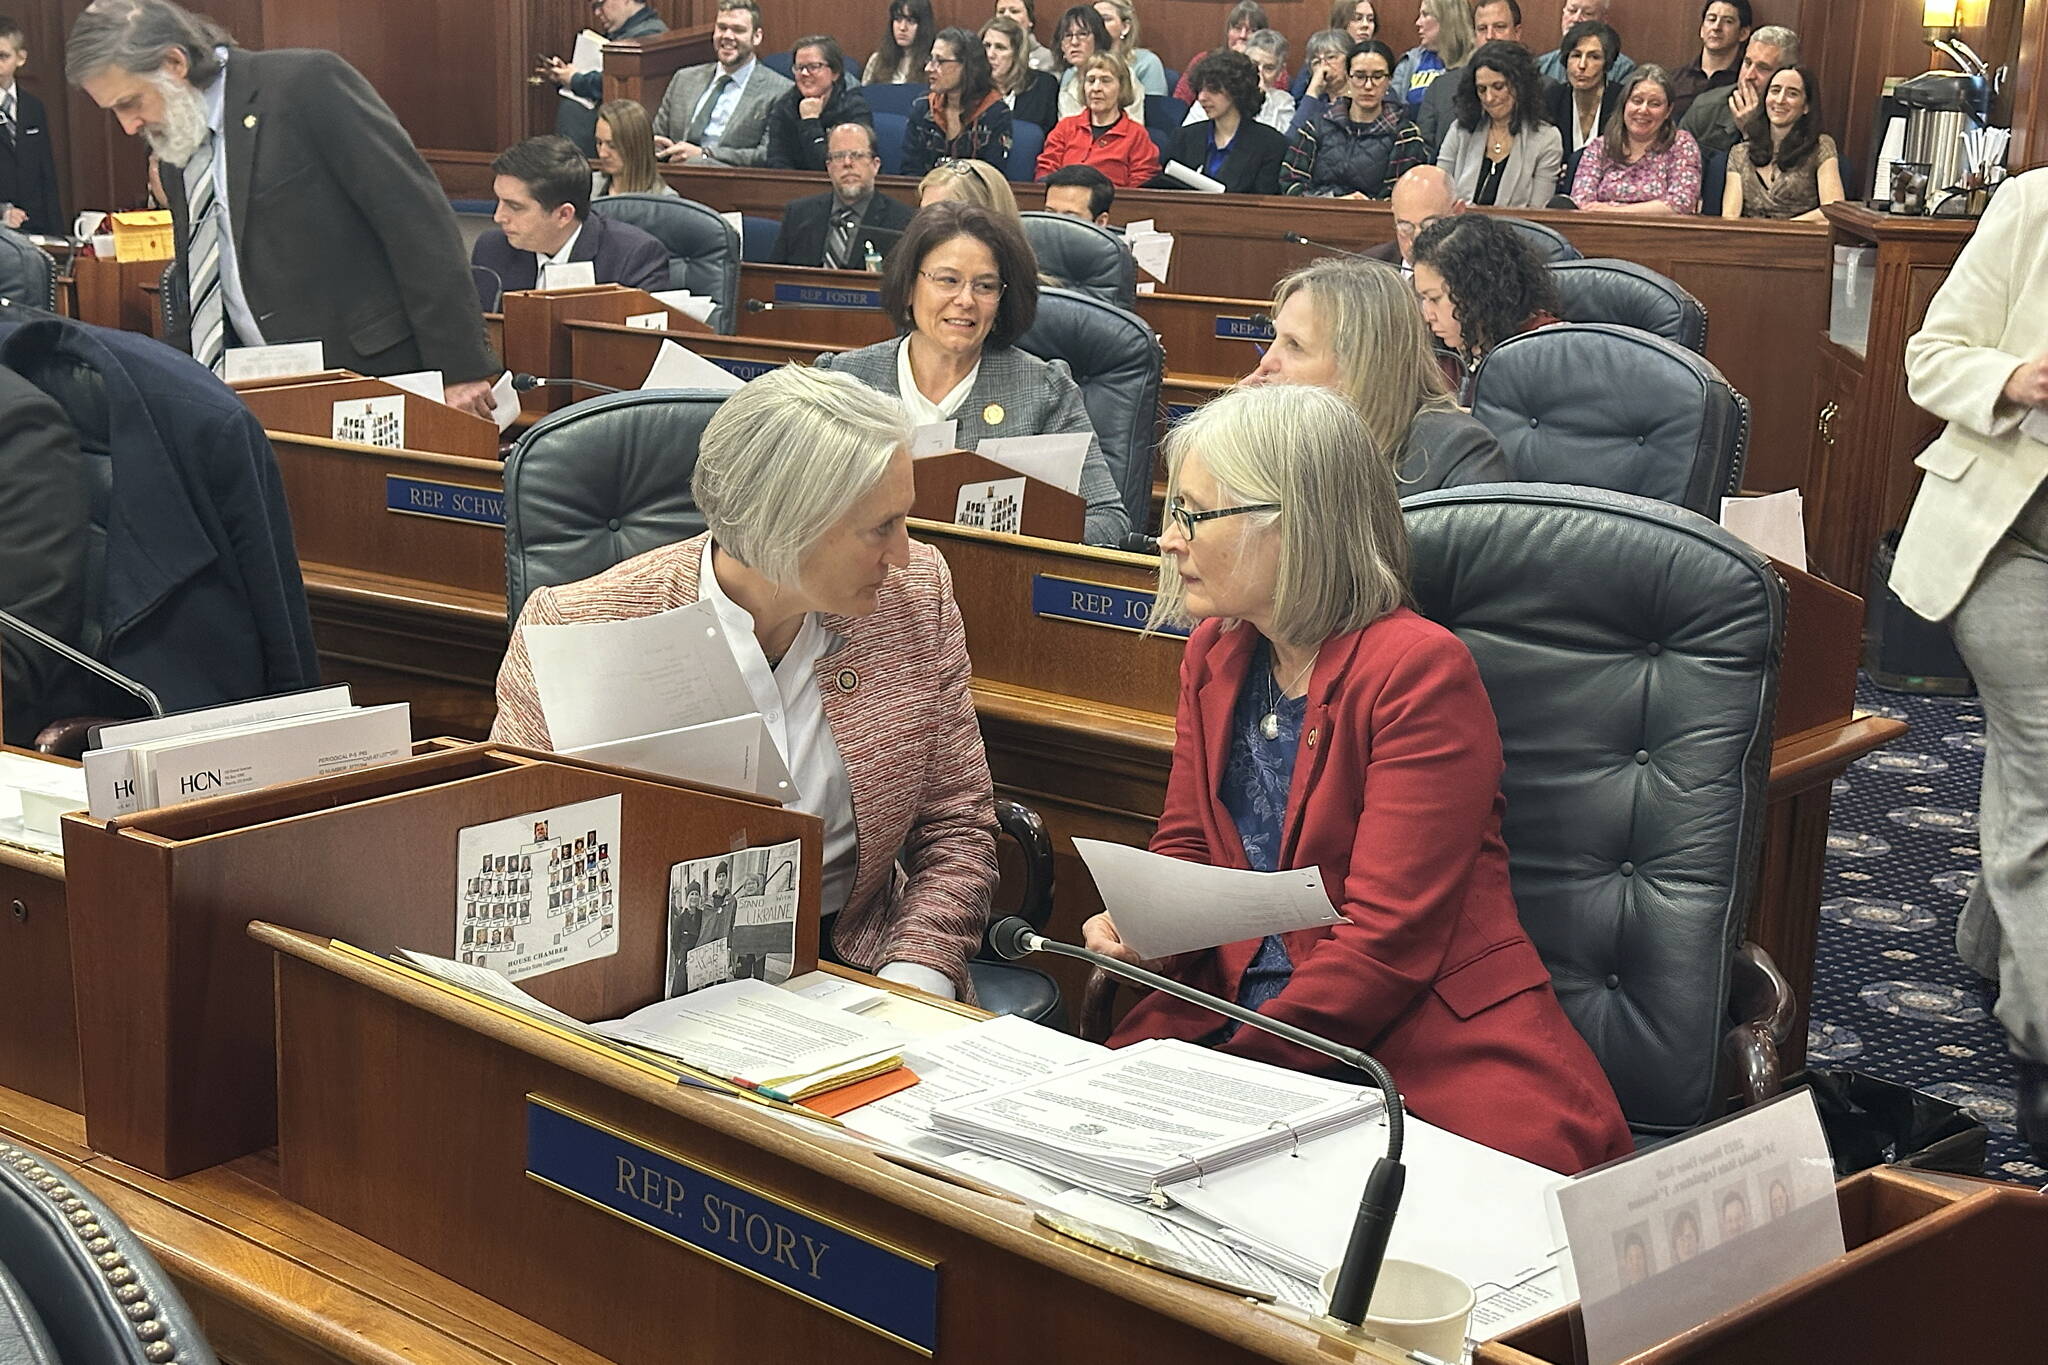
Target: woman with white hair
(852, 649)
(1323, 723)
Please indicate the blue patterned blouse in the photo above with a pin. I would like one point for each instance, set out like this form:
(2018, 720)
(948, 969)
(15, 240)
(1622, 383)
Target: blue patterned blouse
(1256, 777)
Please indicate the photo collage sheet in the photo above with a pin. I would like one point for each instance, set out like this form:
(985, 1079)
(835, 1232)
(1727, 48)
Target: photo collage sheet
(538, 892)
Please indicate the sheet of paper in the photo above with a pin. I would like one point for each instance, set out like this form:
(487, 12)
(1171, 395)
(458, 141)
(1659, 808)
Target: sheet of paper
(679, 367)
(683, 301)
(428, 384)
(1055, 457)
(1140, 227)
(651, 322)
(733, 915)
(996, 1052)
(1774, 523)
(609, 680)
(1192, 178)
(110, 766)
(1153, 251)
(588, 54)
(568, 275)
(504, 402)
(273, 362)
(1670, 1237)
(738, 754)
(752, 1030)
(839, 992)
(487, 982)
(736, 219)
(1164, 906)
(378, 422)
(538, 891)
(934, 438)
(997, 505)
(1200, 1252)
(30, 789)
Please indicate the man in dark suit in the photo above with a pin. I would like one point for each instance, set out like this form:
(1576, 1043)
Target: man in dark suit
(303, 211)
(28, 172)
(543, 189)
(44, 487)
(838, 228)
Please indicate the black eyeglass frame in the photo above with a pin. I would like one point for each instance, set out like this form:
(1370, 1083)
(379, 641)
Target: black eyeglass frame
(1189, 520)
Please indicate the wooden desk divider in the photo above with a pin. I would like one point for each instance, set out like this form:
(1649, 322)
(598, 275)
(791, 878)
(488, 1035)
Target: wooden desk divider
(1823, 643)
(536, 344)
(38, 1017)
(610, 353)
(176, 1034)
(304, 406)
(640, 70)
(109, 293)
(1047, 511)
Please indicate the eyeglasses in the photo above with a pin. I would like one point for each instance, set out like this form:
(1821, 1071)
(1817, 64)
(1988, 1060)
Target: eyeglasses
(810, 68)
(1186, 520)
(936, 60)
(1371, 77)
(946, 282)
(832, 157)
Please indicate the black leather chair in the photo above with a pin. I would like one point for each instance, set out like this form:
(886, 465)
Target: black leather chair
(1631, 295)
(703, 249)
(1549, 244)
(1614, 407)
(27, 274)
(77, 1287)
(603, 480)
(1631, 651)
(1083, 257)
(1118, 362)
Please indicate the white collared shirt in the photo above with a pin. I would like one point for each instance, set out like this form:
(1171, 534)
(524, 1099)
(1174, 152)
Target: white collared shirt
(728, 100)
(247, 333)
(794, 709)
(923, 411)
(561, 257)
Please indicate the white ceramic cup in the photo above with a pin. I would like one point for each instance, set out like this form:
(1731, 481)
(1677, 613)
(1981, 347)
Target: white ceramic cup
(1416, 1307)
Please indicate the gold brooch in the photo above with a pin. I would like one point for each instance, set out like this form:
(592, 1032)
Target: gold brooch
(992, 415)
(848, 680)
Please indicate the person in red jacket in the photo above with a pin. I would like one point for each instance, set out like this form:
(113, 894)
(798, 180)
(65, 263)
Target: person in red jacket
(1323, 723)
(1102, 135)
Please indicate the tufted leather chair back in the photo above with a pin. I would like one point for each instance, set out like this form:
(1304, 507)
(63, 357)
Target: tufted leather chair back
(1601, 290)
(27, 275)
(1614, 407)
(1550, 245)
(599, 482)
(1085, 258)
(58, 1299)
(1631, 651)
(703, 249)
(1117, 361)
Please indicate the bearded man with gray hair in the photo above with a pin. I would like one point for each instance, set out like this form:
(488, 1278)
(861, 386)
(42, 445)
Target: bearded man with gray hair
(303, 211)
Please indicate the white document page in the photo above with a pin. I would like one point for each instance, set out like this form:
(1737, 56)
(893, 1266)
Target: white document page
(836, 991)
(173, 771)
(273, 362)
(1055, 457)
(30, 789)
(504, 402)
(996, 1052)
(753, 1032)
(588, 55)
(608, 680)
(487, 982)
(1192, 178)
(428, 384)
(679, 367)
(686, 303)
(1774, 523)
(110, 770)
(649, 322)
(568, 275)
(1165, 905)
(1153, 252)
(934, 438)
(738, 754)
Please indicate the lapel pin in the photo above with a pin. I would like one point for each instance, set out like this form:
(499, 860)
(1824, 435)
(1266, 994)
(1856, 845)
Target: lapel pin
(848, 680)
(992, 415)
(248, 120)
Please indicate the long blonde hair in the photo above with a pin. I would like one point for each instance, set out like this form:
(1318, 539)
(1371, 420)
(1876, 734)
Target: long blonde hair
(633, 140)
(1456, 37)
(1127, 44)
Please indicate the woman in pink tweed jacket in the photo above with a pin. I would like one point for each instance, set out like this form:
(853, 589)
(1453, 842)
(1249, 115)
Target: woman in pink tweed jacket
(804, 477)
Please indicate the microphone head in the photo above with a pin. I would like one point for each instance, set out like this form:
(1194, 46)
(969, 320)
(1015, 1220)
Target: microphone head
(523, 382)
(1138, 543)
(1011, 938)
(758, 305)
(1298, 239)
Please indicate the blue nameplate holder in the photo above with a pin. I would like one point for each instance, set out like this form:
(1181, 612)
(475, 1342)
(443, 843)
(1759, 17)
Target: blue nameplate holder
(885, 1290)
(447, 501)
(1094, 604)
(743, 369)
(828, 296)
(1244, 329)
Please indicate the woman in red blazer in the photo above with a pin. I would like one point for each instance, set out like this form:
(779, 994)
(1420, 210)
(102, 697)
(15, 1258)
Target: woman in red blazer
(1102, 135)
(1322, 723)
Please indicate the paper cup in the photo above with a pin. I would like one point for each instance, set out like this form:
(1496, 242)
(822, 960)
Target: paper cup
(1416, 1307)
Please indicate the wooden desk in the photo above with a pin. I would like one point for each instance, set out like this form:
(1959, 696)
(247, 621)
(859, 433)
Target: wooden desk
(38, 1014)
(117, 294)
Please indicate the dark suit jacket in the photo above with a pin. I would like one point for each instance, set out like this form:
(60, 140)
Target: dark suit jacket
(28, 172)
(342, 234)
(1400, 806)
(1251, 166)
(1558, 109)
(1039, 101)
(619, 253)
(42, 557)
(1390, 252)
(807, 224)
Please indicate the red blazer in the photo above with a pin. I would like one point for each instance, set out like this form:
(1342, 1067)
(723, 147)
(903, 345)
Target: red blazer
(1125, 153)
(1396, 797)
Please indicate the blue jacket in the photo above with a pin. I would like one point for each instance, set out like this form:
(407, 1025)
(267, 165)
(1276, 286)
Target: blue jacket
(201, 597)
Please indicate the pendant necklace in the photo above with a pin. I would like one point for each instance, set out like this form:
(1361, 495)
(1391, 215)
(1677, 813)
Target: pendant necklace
(1269, 724)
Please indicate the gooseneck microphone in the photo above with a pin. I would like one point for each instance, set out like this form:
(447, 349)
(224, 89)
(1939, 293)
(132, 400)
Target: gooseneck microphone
(525, 382)
(85, 661)
(1300, 240)
(1011, 938)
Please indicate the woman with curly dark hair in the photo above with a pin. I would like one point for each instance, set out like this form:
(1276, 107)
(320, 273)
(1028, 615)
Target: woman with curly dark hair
(906, 43)
(1479, 285)
(1358, 146)
(1230, 146)
(1501, 150)
(964, 117)
(1785, 167)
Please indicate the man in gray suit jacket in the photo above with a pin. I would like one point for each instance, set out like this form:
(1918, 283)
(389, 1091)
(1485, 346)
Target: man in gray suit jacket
(319, 219)
(719, 111)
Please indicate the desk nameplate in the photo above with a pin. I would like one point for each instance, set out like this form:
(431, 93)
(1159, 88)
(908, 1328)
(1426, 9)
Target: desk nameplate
(1258, 328)
(1094, 604)
(890, 1291)
(828, 296)
(444, 501)
(744, 370)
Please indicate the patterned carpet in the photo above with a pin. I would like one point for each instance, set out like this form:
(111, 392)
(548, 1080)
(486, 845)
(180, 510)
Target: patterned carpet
(1890, 995)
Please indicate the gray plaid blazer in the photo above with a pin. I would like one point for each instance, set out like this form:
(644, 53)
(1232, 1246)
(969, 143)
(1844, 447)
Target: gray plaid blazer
(745, 139)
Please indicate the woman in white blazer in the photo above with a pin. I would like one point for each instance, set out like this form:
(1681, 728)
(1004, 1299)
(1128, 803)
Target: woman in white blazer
(1502, 150)
(1975, 549)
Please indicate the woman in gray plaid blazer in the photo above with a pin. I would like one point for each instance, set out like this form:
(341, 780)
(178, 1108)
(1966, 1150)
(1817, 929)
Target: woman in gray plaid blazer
(963, 286)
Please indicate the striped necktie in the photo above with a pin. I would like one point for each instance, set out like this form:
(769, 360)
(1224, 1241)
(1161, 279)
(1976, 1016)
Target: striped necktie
(202, 260)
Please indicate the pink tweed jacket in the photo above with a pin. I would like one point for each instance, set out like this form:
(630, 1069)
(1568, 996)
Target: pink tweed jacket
(895, 691)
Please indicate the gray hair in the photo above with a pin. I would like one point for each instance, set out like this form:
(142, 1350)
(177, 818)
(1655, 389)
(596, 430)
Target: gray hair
(786, 457)
(137, 35)
(1780, 37)
(1327, 42)
(1343, 547)
(1270, 41)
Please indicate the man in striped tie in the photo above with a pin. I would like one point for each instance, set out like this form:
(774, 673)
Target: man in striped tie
(303, 211)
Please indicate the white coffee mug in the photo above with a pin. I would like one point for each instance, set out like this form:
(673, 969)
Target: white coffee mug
(1416, 1307)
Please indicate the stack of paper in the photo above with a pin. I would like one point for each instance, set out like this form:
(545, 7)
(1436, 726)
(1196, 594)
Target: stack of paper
(1152, 1114)
(1152, 249)
(587, 56)
(168, 760)
(981, 1057)
(34, 794)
